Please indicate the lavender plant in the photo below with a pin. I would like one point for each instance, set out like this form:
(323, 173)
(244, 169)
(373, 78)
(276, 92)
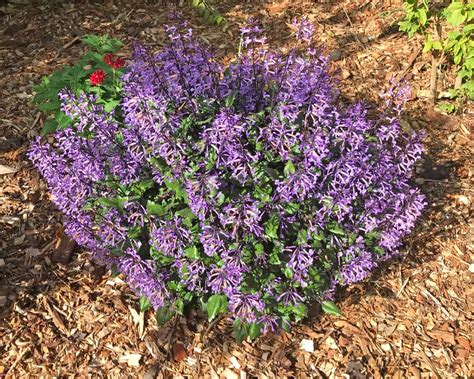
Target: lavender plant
(247, 188)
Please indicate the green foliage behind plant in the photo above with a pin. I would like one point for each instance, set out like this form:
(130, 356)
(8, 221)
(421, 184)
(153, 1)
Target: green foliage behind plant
(423, 17)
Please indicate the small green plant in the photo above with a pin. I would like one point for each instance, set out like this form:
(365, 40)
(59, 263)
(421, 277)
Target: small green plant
(458, 43)
(96, 73)
(416, 16)
(447, 107)
(210, 14)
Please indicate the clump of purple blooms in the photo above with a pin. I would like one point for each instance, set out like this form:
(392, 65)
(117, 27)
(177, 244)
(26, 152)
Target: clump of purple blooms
(249, 181)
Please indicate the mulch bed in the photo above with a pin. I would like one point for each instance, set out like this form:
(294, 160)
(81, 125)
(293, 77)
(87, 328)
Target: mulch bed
(63, 316)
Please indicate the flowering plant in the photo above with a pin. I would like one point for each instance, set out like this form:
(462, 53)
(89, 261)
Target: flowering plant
(247, 188)
(102, 71)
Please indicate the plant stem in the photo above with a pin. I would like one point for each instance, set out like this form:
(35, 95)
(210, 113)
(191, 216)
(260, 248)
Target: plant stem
(434, 78)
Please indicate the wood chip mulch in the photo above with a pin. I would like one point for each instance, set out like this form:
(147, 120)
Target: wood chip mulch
(63, 316)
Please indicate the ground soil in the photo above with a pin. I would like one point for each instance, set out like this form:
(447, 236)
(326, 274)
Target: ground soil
(63, 316)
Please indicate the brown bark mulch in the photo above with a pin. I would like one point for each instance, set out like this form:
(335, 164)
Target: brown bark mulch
(63, 316)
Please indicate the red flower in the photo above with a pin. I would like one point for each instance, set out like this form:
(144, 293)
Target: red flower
(113, 61)
(97, 77)
(109, 58)
(119, 62)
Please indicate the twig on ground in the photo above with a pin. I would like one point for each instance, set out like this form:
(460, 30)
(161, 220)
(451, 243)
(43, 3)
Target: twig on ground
(405, 282)
(170, 338)
(370, 338)
(9, 220)
(411, 62)
(209, 327)
(19, 358)
(430, 364)
(35, 121)
(67, 46)
(437, 302)
(72, 42)
(433, 79)
(211, 366)
(435, 63)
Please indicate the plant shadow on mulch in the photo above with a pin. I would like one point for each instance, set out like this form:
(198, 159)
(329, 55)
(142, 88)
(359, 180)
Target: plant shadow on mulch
(436, 177)
(36, 258)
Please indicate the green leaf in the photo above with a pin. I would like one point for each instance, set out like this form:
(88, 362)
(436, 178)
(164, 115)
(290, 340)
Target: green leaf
(456, 17)
(288, 272)
(103, 44)
(175, 186)
(271, 227)
(428, 44)
(469, 63)
(422, 16)
(239, 330)
(455, 5)
(116, 202)
(330, 308)
(49, 126)
(300, 312)
(302, 237)
(263, 192)
(192, 252)
(63, 120)
(108, 202)
(292, 208)
(111, 105)
(254, 330)
(379, 250)
(259, 249)
(216, 305)
(468, 28)
(289, 168)
(164, 314)
(457, 58)
(179, 305)
(285, 323)
(275, 255)
(203, 305)
(49, 106)
(186, 213)
(229, 100)
(144, 304)
(437, 45)
(153, 208)
(114, 271)
(141, 186)
(134, 232)
(335, 228)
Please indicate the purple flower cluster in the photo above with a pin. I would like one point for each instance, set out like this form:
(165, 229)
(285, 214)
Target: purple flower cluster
(250, 181)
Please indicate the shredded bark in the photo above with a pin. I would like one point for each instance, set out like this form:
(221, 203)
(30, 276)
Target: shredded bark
(61, 315)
